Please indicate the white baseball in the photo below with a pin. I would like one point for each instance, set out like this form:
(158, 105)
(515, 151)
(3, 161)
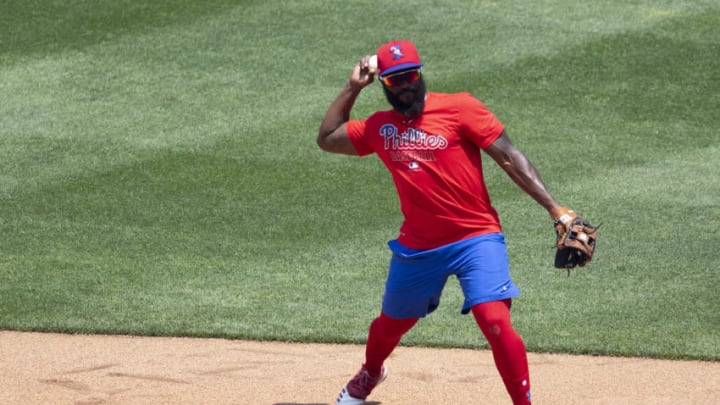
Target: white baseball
(372, 63)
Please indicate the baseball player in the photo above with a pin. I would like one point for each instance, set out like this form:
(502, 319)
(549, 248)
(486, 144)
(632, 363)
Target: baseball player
(431, 144)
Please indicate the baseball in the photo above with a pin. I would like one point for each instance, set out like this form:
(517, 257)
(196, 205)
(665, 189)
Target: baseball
(372, 63)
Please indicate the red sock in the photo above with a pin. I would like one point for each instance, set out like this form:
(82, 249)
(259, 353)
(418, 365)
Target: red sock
(507, 347)
(383, 337)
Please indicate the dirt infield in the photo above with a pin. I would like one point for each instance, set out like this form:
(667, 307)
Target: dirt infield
(38, 368)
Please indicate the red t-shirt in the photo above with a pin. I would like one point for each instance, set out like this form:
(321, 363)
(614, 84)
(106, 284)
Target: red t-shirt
(436, 166)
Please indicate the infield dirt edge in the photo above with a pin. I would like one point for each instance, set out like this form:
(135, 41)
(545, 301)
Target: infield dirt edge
(42, 368)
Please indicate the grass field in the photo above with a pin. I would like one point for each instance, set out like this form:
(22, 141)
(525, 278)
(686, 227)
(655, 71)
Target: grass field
(159, 173)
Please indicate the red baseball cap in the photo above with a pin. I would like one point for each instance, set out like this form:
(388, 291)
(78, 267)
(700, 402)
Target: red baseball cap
(396, 56)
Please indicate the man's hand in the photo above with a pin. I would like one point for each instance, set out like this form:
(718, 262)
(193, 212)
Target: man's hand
(362, 75)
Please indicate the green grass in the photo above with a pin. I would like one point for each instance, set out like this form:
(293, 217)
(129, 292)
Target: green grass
(159, 174)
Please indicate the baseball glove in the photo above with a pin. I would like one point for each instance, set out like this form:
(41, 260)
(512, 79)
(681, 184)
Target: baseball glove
(575, 239)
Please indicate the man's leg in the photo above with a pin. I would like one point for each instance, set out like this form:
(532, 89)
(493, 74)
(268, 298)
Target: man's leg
(507, 347)
(412, 290)
(384, 335)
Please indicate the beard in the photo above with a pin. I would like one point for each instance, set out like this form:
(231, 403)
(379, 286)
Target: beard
(415, 106)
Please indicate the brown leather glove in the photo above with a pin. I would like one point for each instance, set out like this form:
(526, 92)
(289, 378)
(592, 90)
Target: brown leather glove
(575, 239)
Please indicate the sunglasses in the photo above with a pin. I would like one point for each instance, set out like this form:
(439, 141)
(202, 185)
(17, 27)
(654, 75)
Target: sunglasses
(408, 76)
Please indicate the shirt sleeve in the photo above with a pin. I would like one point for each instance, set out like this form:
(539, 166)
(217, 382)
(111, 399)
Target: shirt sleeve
(477, 123)
(356, 133)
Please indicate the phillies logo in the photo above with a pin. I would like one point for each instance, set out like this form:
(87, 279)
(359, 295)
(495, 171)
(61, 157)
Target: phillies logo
(411, 139)
(396, 51)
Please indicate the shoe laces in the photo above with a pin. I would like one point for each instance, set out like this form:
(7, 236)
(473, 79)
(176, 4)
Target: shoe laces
(363, 384)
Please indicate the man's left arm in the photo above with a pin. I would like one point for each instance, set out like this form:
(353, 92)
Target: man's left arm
(522, 172)
(575, 237)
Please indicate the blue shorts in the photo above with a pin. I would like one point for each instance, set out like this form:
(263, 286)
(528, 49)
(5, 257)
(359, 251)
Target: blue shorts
(416, 278)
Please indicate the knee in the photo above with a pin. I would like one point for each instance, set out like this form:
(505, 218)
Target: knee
(392, 327)
(493, 318)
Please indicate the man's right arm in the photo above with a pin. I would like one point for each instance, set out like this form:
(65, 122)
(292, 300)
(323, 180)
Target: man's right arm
(332, 135)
